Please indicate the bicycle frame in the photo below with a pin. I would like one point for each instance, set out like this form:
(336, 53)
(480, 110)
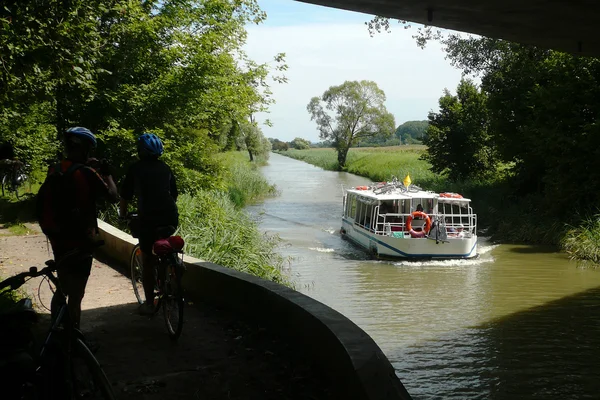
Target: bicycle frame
(70, 345)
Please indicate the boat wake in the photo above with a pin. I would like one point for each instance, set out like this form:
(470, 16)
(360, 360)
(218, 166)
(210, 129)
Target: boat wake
(484, 252)
(321, 249)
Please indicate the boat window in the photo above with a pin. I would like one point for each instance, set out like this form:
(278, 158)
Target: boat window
(352, 207)
(427, 205)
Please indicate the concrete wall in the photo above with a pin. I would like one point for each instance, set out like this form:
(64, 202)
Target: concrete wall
(353, 361)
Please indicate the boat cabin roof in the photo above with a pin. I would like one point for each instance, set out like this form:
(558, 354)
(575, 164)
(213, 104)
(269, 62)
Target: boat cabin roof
(373, 193)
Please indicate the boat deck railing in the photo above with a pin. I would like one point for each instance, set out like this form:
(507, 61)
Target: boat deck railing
(389, 223)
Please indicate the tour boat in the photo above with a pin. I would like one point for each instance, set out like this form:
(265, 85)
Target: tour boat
(399, 220)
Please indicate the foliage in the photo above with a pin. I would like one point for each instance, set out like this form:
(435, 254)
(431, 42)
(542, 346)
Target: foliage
(245, 183)
(217, 229)
(300, 144)
(252, 140)
(228, 236)
(176, 68)
(137, 66)
(581, 242)
(412, 132)
(458, 140)
(278, 145)
(350, 112)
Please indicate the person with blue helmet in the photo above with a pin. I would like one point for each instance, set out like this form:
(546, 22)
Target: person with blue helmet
(66, 210)
(153, 184)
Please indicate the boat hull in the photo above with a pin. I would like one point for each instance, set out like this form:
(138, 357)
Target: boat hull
(384, 246)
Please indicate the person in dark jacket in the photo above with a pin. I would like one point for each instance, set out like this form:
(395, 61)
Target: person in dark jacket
(66, 235)
(153, 184)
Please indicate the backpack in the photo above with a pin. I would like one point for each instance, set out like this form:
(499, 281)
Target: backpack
(56, 205)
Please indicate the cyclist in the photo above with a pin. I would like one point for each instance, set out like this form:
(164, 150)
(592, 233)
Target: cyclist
(152, 182)
(67, 212)
(8, 161)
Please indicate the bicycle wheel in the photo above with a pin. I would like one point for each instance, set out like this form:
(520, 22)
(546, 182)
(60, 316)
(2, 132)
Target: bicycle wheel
(173, 303)
(136, 271)
(89, 380)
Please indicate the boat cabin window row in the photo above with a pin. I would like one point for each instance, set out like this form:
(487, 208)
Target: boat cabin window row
(388, 216)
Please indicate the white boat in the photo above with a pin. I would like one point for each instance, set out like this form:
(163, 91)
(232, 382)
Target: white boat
(400, 220)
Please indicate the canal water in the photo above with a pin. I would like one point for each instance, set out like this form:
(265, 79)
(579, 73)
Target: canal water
(520, 322)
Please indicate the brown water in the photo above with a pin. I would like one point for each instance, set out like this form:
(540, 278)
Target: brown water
(520, 322)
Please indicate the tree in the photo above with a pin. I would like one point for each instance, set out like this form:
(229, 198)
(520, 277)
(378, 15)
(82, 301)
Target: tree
(278, 145)
(412, 131)
(300, 144)
(350, 112)
(458, 140)
(253, 141)
(119, 67)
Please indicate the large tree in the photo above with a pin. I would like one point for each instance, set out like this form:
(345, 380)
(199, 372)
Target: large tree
(350, 112)
(412, 131)
(458, 141)
(119, 67)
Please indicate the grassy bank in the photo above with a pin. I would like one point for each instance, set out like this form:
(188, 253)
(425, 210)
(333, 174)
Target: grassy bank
(503, 215)
(213, 223)
(217, 229)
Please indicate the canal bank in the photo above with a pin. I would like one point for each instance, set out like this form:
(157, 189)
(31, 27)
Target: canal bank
(507, 325)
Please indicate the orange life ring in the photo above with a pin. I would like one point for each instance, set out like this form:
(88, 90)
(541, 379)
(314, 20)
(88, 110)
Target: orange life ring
(451, 195)
(426, 228)
(362, 187)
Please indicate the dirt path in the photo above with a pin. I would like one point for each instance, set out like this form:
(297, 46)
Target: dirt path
(219, 355)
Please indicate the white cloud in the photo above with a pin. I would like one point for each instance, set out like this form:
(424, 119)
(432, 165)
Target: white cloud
(322, 55)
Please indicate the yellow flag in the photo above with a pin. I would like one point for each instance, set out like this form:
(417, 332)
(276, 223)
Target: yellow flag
(407, 180)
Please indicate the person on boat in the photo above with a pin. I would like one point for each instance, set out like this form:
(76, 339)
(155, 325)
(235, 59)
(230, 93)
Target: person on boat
(458, 232)
(418, 226)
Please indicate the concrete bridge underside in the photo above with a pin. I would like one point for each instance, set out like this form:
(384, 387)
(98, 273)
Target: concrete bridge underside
(566, 25)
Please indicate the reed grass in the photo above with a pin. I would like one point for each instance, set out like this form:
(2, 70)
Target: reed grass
(245, 184)
(582, 242)
(216, 228)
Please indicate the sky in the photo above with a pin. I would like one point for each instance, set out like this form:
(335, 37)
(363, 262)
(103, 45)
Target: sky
(325, 47)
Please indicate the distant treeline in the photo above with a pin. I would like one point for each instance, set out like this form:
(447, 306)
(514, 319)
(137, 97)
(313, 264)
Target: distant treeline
(410, 132)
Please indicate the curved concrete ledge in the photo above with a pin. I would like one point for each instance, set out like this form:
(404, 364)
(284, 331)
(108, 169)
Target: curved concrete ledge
(353, 361)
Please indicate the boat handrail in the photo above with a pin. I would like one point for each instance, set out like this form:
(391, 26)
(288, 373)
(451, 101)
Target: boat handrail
(384, 226)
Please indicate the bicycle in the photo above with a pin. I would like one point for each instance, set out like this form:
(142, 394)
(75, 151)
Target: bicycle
(65, 367)
(13, 180)
(168, 291)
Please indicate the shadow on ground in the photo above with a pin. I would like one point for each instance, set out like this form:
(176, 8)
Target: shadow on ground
(218, 356)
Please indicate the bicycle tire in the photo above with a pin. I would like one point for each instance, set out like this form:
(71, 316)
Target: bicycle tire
(136, 269)
(102, 387)
(173, 303)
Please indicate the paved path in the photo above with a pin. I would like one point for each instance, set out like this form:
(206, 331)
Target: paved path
(219, 355)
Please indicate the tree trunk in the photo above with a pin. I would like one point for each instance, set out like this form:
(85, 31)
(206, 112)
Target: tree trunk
(342, 154)
(251, 156)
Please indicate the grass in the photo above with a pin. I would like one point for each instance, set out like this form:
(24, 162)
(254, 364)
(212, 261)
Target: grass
(376, 163)
(582, 242)
(217, 229)
(245, 184)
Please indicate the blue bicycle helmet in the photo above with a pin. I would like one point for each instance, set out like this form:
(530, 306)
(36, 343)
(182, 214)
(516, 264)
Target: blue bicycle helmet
(150, 144)
(79, 135)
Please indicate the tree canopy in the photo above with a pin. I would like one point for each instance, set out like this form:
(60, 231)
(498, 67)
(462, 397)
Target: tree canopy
(412, 132)
(458, 141)
(175, 67)
(350, 112)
